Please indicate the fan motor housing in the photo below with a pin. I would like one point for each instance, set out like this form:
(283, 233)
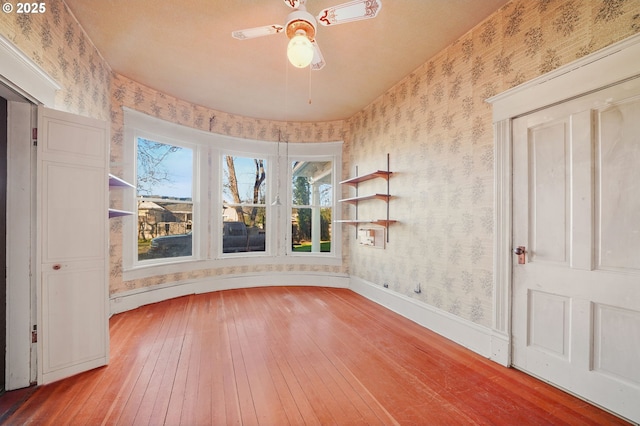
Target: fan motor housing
(301, 20)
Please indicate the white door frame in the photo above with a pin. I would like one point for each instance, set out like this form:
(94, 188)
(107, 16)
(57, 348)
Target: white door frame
(611, 65)
(25, 78)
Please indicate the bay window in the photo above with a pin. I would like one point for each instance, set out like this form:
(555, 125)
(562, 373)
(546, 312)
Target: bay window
(206, 200)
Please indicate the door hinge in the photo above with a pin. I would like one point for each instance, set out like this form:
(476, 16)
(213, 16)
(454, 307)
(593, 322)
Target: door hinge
(34, 136)
(34, 334)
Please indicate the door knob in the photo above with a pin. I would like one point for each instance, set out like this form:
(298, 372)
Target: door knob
(56, 267)
(520, 252)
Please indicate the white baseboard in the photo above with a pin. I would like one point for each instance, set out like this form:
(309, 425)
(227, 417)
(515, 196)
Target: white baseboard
(482, 340)
(125, 301)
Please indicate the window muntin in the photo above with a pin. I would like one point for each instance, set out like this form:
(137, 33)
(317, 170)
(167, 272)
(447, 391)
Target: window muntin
(164, 182)
(244, 207)
(311, 206)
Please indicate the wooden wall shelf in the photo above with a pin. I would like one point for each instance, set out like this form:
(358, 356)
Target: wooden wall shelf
(380, 222)
(355, 200)
(354, 181)
(116, 182)
(386, 197)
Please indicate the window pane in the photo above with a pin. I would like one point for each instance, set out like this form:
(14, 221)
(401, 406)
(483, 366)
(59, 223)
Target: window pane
(312, 201)
(239, 237)
(244, 204)
(165, 205)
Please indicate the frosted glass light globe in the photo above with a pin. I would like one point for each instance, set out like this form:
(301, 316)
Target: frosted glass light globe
(300, 51)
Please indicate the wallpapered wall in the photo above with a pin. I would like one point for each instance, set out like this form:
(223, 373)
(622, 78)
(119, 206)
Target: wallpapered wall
(438, 130)
(434, 124)
(55, 42)
(131, 94)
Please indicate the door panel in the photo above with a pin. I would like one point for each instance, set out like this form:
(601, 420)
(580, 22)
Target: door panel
(549, 323)
(576, 207)
(69, 138)
(64, 235)
(548, 198)
(72, 244)
(615, 353)
(618, 186)
(71, 311)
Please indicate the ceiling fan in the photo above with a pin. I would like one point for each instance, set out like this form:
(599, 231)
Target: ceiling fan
(300, 27)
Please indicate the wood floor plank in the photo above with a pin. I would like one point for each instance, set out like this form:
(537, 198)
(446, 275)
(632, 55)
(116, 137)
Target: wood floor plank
(270, 353)
(363, 354)
(293, 355)
(189, 406)
(248, 413)
(253, 342)
(210, 400)
(97, 403)
(157, 393)
(178, 391)
(173, 352)
(353, 408)
(142, 395)
(476, 384)
(231, 402)
(147, 332)
(327, 406)
(301, 410)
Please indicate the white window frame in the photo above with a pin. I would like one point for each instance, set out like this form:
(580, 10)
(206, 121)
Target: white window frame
(139, 125)
(195, 249)
(331, 151)
(260, 150)
(209, 149)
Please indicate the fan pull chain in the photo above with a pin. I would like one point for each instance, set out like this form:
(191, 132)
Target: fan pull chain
(309, 85)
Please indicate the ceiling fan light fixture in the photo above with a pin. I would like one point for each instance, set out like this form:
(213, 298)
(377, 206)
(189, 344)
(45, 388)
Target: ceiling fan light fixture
(303, 49)
(300, 50)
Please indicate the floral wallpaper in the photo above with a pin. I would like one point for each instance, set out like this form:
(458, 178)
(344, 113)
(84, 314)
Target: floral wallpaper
(435, 124)
(131, 94)
(56, 42)
(437, 128)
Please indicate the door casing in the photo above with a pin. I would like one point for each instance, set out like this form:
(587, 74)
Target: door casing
(24, 84)
(608, 67)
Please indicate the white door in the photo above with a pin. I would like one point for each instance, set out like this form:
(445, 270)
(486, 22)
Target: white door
(72, 237)
(576, 210)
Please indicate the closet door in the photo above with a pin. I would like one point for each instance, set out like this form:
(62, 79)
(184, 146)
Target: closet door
(72, 223)
(576, 211)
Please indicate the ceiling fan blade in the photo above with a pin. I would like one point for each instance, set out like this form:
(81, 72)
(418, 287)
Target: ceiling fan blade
(317, 63)
(257, 32)
(349, 12)
(294, 4)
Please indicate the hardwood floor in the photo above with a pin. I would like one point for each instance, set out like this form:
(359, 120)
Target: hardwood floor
(293, 355)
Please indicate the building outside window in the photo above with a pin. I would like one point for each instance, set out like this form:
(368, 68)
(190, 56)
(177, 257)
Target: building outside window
(311, 206)
(164, 182)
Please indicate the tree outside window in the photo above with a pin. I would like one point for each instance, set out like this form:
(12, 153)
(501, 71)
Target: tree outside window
(312, 200)
(244, 209)
(164, 182)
